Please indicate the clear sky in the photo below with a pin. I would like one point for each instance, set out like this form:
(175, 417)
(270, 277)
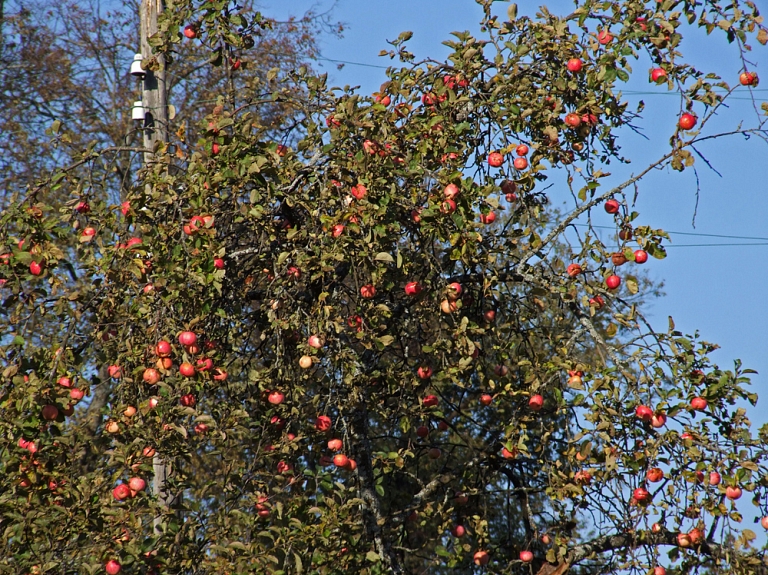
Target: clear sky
(717, 289)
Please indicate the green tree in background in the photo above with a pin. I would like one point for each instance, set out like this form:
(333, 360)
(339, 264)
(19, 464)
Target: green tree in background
(351, 327)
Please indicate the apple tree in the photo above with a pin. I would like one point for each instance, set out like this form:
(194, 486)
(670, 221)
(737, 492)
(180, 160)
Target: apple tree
(363, 341)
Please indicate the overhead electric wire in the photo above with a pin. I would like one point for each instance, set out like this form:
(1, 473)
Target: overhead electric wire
(762, 241)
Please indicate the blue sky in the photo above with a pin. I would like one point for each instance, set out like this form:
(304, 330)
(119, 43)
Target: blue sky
(716, 289)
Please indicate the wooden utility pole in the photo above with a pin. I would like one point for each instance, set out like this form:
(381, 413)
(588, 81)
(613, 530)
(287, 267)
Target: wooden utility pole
(155, 131)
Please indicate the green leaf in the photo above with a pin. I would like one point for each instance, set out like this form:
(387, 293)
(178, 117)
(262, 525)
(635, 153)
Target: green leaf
(384, 257)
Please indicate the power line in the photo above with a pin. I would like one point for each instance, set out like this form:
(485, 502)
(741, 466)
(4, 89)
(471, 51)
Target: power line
(728, 237)
(352, 63)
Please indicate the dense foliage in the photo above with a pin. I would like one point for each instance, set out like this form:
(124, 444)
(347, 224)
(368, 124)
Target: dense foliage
(336, 333)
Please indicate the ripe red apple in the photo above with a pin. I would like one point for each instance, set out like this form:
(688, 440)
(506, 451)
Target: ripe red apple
(112, 567)
(536, 402)
(359, 191)
(733, 493)
(451, 191)
(187, 338)
(521, 150)
(413, 288)
(699, 404)
(641, 256)
(574, 65)
(315, 341)
(89, 232)
(188, 400)
(495, 159)
(546, 539)
(489, 316)
(604, 37)
(121, 492)
(520, 163)
(683, 540)
(657, 74)
(659, 570)
(340, 460)
(448, 207)
(305, 362)
(429, 401)
(696, 536)
(130, 411)
(641, 495)
(526, 556)
(507, 454)
(278, 422)
(458, 531)
(573, 270)
(655, 475)
(151, 376)
(764, 522)
(190, 31)
(153, 402)
(453, 291)
(368, 291)
(275, 397)
(612, 206)
(434, 453)
(50, 412)
(284, 467)
(461, 498)
(424, 372)
(486, 399)
(294, 273)
(618, 259)
(687, 121)
(481, 558)
(323, 423)
(82, 208)
(644, 412)
(76, 394)
(65, 382)
(163, 348)
(573, 120)
(137, 484)
(612, 281)
(597, 302)
(36, 268)
(422, 431)
(656, 528)
(714, 478)
(187, 369)
(490, 217)
(501, 370)
(218, 263)
(442, 425)
(335, 444)
(748, 79)
(658, 420)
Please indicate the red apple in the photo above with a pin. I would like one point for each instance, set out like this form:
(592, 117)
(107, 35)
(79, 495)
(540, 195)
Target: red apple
(488, 218)
(641, 495)
(495, 159)
(573, 120)
(424, 372)
(656, 528)
(187, 369)
(536, 402)
(190, 31)
(612, 281)
(733, 493)
(434, 453)
(454, 291)
(597, 302)
(188, 400)
(714, 478)
(82, 208)
(65, 382)
(489, 316)
(612, 206)
(275, 398)
(429, 401)
(526, 556)
(359, 191)
(655, 475)
(50, 412)
(305, 362)
(36, 268)
(764, 522)
(315, 341)
(112, 567)
(520, 163)
(368, 291)
(151, 376)
(641, 256)
(76, 394)
(121, 492)
(699, 404)
(486, 399)
(413, 288)
(458, 531)
(218, 263)
(683, 540)
(658, 420)
(448, 207)
(658, 74)
(323, 423)
(187, 338)
(659, 570)
(451, 191)
(604, 37)
(644, 412)
(521, 150)
(422, 431)
(573, 270)
(748, 79)
(481, 558)
(163, 348)
(574, 65)
(340, 460)
(137, 484)
(507, 454)
(687, 121)
(337, 230)
(335, 444)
